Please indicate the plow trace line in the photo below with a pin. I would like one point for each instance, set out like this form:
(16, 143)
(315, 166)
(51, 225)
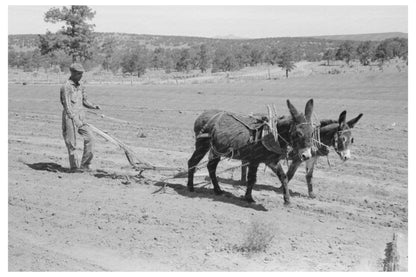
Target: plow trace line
(141, 165)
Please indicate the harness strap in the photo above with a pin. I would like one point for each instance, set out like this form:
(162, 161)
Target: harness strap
(246, 125)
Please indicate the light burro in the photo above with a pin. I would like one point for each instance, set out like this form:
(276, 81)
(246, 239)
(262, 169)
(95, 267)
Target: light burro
(73, 99)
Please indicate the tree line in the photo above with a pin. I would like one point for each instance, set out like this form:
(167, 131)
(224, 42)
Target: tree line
(76, 41)
(369, 51)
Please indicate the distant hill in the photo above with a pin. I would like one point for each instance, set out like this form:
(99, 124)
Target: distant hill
(29, 41)
(303, 48)
(304, 45)
(364, 37)
(230, 36)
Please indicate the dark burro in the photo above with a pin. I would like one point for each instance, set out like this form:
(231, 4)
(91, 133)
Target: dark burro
(241, 137)
(334, 134)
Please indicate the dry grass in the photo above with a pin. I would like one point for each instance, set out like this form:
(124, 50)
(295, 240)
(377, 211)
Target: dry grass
(258, 237)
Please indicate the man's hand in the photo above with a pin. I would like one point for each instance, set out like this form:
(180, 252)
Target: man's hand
(97, 107)
(77, 122)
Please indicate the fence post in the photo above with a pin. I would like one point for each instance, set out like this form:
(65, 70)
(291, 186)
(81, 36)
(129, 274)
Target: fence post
(396, 255)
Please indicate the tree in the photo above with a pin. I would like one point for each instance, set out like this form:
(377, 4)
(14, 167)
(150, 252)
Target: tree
(12, 57)
(365, 52)
(273, 56)
(224, 60)
(329, 55)
(107, 49)
(256, 56)
(286, 61)
(345, 52)
(242, 55)
(35, 60)
(134, 62)
(169, 58)
(203, 58)
(157, 60)
(391, 48)
(61, 59)
(184, 63)
(75, 37)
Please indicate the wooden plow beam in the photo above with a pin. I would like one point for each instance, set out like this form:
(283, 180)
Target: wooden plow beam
(132, 157)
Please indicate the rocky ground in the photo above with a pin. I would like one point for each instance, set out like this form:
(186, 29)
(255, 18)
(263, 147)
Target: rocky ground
(111, 219)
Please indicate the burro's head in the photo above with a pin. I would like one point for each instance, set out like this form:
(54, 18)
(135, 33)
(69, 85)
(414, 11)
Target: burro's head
(343, 138)
(301, 130)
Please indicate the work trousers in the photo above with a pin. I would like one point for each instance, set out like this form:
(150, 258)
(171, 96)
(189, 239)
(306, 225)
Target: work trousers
(69, 131)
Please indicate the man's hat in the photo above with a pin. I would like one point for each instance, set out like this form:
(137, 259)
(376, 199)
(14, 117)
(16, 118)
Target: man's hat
(76, 67)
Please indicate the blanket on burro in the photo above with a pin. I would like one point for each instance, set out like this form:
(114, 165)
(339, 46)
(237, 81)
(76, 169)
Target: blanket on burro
(242, 137)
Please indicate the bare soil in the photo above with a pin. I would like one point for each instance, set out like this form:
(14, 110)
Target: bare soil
(112, 220)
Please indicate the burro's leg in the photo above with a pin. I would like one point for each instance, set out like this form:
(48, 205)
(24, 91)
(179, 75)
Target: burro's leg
(243, 173)
(285, 177)
(212, 168)
(310, 164)
(88, 137)
(289, 175)
(277, 169)
(201, 148)
(292, 169)
(286, 193)
(251, 180)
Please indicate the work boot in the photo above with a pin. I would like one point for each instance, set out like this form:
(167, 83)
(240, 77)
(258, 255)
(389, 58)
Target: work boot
(85, 168)
(75, 170)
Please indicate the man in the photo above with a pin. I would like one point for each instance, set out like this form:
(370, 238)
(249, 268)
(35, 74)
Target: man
(73, 97)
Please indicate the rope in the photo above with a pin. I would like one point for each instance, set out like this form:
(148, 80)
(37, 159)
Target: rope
(327, 159)
(141, 166)
(130, 154)
(219, 154)
(108, 117)
(320, 143)
(317, 139)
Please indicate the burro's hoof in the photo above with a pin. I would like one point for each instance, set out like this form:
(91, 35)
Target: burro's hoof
(218, 192)
(249, 199)
(287, 201)
(312, 195)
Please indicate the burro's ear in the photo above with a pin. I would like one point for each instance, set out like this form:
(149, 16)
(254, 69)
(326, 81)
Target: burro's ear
(351, 123)
(292, 109)
(309, 110)
(342, 118)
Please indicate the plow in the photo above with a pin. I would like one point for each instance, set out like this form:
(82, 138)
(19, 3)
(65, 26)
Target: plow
(141, 165)
(269, 139)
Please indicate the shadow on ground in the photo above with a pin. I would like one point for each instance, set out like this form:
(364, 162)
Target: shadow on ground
(202, 192)
(49, 166)
(257, 187)
(54, 167)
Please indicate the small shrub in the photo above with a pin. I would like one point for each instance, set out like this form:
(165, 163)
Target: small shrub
(258, 237)
(334, 71)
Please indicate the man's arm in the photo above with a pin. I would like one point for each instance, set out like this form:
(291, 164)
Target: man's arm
(87, 103)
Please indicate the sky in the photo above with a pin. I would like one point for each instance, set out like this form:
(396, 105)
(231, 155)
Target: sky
(219, 21)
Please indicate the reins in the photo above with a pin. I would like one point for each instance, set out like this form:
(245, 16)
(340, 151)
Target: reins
(133, 159)
(142, 166)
